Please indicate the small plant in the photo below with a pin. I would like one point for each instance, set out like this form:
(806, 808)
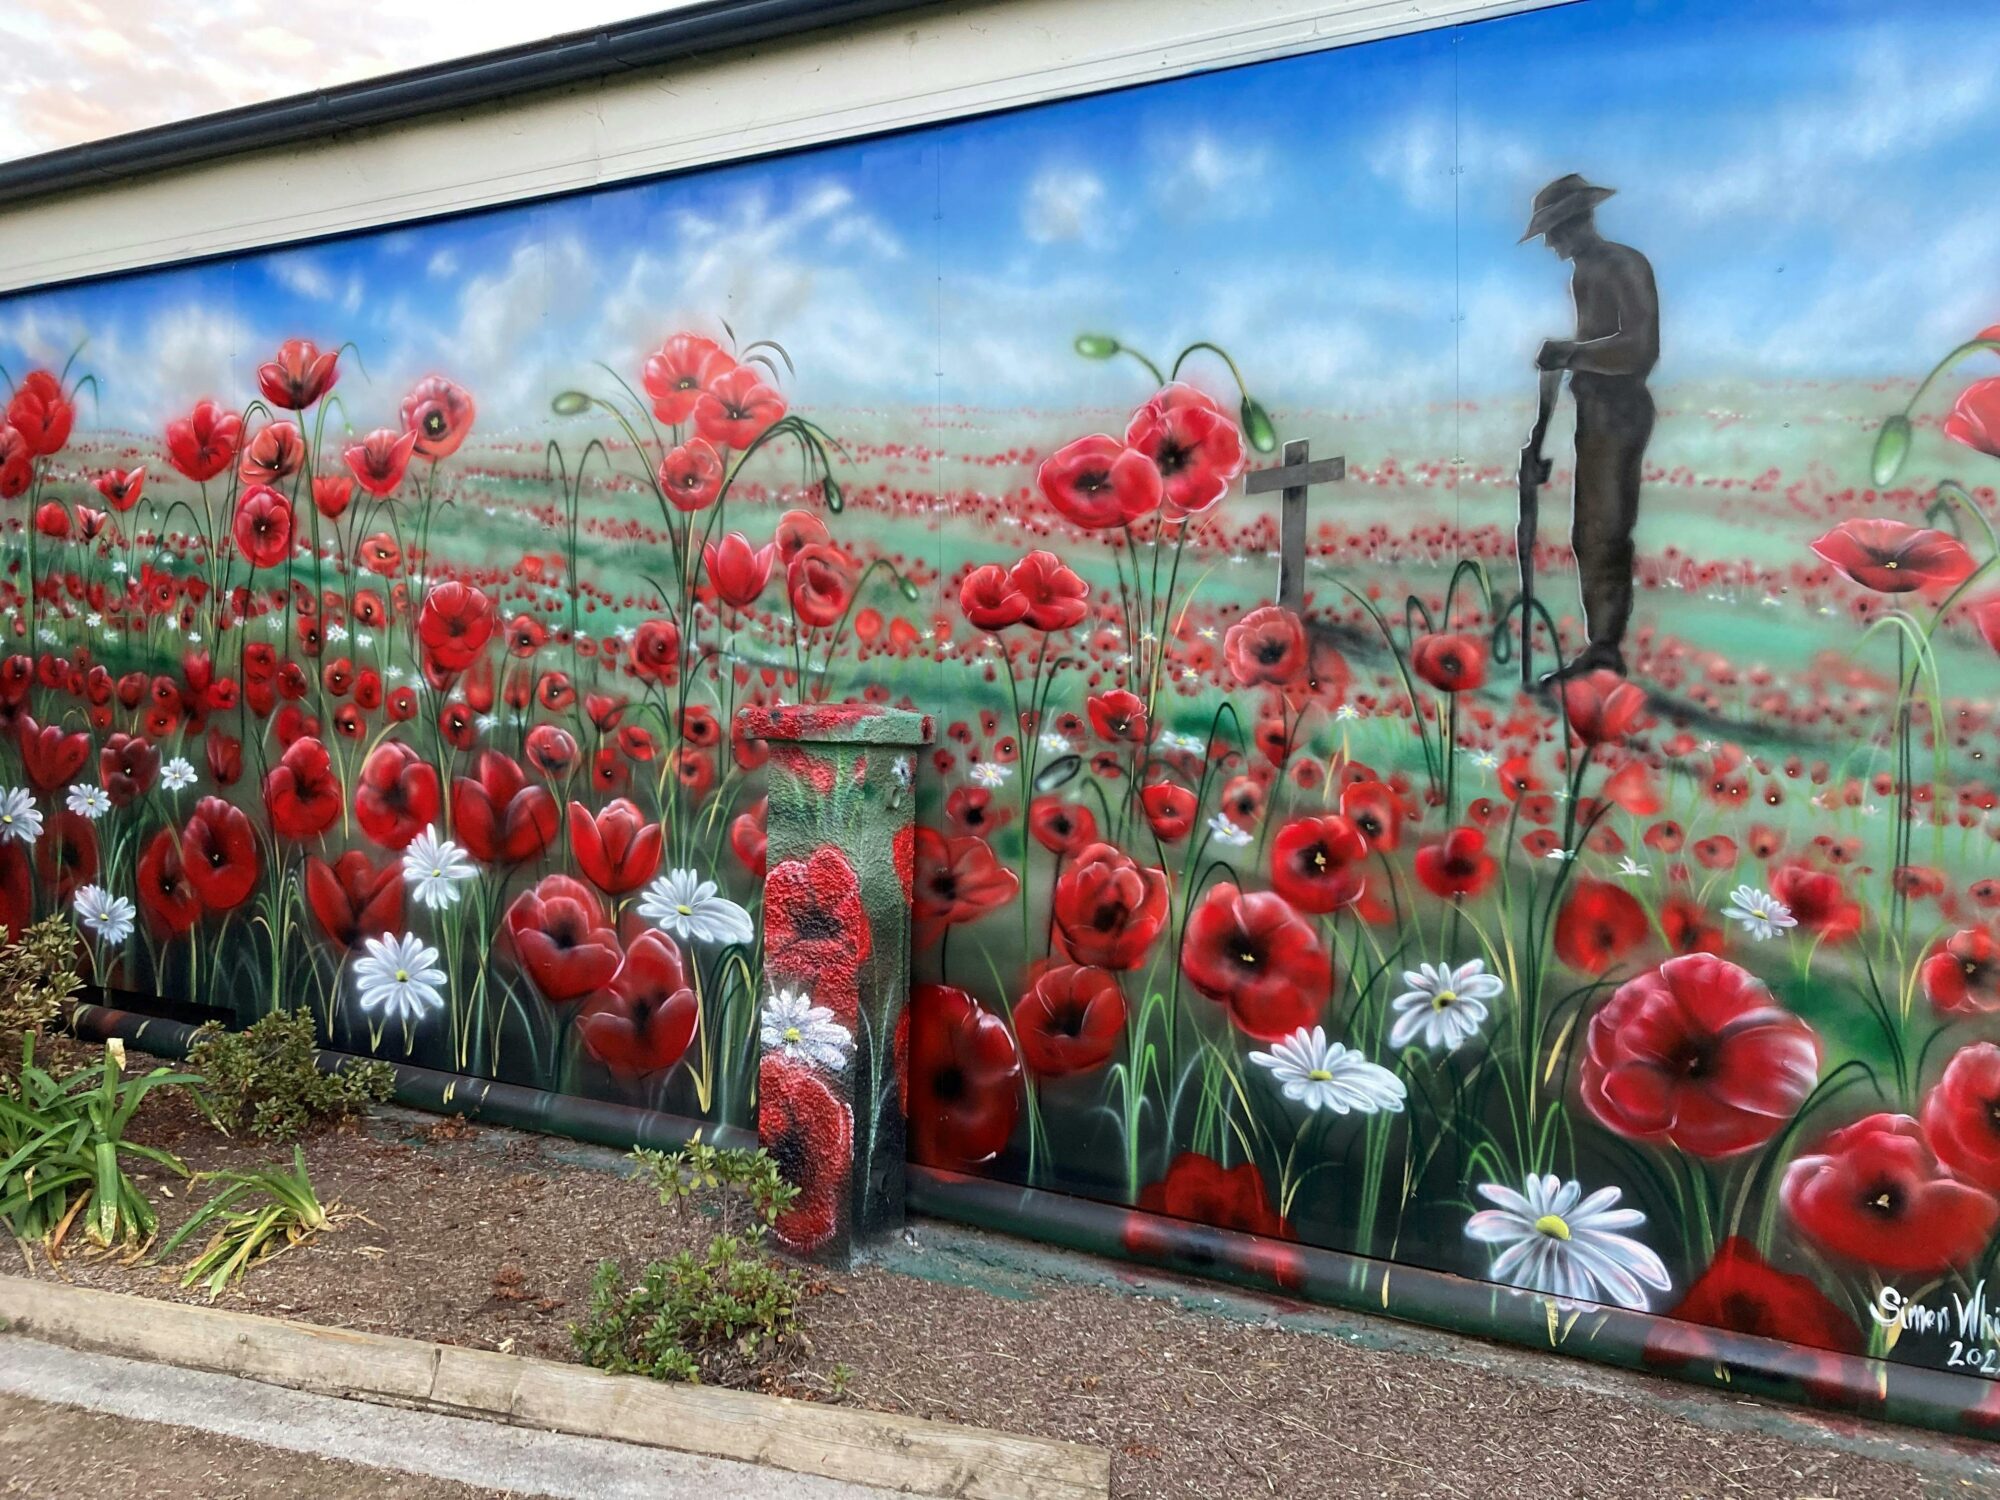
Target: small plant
(38, 975)
(63, 1146)
(728, 1313)
(266, 1079)
(256, 1215)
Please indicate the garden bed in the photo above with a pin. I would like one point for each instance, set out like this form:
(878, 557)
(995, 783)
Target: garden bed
(487, 1238)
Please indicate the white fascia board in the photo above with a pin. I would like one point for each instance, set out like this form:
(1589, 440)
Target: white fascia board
(823, 86)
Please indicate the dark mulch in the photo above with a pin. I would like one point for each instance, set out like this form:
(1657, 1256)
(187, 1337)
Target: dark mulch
(488, 1238)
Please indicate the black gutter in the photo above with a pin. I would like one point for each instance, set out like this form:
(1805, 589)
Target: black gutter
(578, 57)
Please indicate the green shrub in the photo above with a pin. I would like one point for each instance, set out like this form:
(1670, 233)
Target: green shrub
(62, 1144)
(256, 1215)
(38, 974)
(265, 1079)
(728, 1313)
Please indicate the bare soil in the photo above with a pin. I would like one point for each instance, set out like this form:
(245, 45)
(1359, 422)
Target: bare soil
(488, 1238)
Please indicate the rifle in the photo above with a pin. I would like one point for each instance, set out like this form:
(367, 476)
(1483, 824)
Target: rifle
(1534, 473)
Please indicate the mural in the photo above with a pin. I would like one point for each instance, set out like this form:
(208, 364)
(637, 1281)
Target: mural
(1609, 916)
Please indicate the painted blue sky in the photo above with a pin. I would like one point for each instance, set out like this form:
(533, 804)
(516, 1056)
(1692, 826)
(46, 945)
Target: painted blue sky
(1809, 177)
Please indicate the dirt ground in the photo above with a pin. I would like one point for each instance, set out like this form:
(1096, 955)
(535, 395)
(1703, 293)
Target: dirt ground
(63, 1453)
(488, 1238)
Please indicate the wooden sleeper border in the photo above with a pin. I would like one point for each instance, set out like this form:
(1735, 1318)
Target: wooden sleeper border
(910, 1454)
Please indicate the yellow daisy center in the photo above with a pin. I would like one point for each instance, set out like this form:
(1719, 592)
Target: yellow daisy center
(1553, 1226)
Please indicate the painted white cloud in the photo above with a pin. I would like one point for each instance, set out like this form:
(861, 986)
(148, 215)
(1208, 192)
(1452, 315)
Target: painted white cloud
(1067, 205)
(1202, 177)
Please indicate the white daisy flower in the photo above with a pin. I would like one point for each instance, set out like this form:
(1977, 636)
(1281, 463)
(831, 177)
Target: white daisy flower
(685, 906)
(1443, 1005)
(1227, 832)
(19, 817)
(992, 773)
(1187, 744)
(399, 976)
(336, 633)
(1558, 1241)
(88, 801)
(1056, 744)
(105, 916)
(434, 868)
(805, 1032)
(1762, 915)
(1346, 713)
(1631, 867)
(177, 774)
(1320, 1075)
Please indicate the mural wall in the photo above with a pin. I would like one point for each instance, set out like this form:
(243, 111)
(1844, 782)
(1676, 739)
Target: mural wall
(1587, 883)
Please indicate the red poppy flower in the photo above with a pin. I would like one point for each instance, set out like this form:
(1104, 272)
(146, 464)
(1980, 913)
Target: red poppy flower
(203, 443)
(809, 1132)
(1268, 645)
(1873, 1192)
(1061, 827)
(454, 624)
(1457, 865)
(1108, 909)
(121, 488)
(551, 750)
(1716, 852)
(1069, 1021)
(51, 520)
(1202, 1191)
(166, 896)
(219, 853)
(964, 1079)
(1697, 1054)
(1118, 716)
(1170, 810)
(1376, 811)
(956, 880)
(1450, 663)
(353, 898)
(1962, 975)
(618, 849)
(301, 792)
(1097, 482)
(1057, 597)
(820, 584)
(1685, 924)
(1197, 449)
(440, 413)
(126, 767)
(1975, 419)
(1599, 925)
(397, 795)
(274, 454)
(1894, 557)
(685, 366)
(498, 816)
(748, 841)
(66, 854)
(643, 1020)
(1316, 863)
(816, 928)
(379, 461)
(1818, 901)
(17, 464)
(736, 569)
(796, 530)
(1602, 706)
(263, 527)
(691, 475)
(656, 650)
(990, 598)
(298, 375)
(1254, 954)
(1741, 1292)
(559, 936)
(736, 408)
(41, 413)
(1962, 1115)
(50, 757)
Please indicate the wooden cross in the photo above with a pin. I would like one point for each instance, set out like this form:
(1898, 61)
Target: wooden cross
(1292, 476)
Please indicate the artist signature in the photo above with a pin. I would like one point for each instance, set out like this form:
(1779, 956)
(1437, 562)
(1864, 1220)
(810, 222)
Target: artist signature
(1975, 1324)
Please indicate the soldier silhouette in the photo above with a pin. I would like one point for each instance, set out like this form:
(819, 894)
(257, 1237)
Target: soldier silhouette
(1616, 346)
